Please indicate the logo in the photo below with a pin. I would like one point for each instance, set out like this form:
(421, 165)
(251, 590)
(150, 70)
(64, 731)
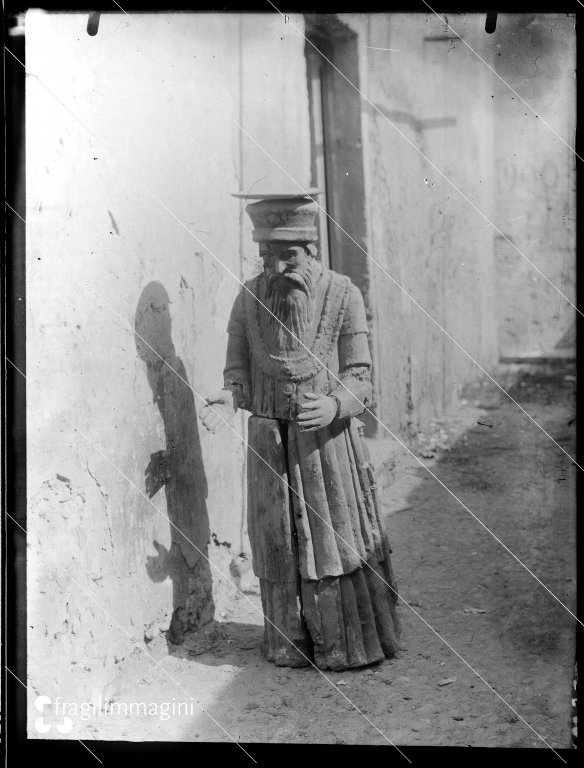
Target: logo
(63, 727)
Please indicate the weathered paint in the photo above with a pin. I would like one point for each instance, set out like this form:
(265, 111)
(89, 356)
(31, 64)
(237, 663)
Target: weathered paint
(105, 262)
(422, 233)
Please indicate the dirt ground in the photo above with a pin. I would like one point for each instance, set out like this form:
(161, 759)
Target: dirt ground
(451, 572)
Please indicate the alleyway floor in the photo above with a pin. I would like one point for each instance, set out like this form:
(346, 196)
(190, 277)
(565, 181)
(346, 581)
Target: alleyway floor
(456, 577)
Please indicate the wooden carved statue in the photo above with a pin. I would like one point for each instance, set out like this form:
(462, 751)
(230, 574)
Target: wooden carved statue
(318, 547)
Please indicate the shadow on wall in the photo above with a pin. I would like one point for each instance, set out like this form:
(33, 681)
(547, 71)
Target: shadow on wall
(178, 467)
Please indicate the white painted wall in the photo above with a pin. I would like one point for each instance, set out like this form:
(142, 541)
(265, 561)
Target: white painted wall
(139, 129)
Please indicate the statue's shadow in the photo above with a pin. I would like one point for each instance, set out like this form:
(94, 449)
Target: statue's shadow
(224, 642)
(178, 467)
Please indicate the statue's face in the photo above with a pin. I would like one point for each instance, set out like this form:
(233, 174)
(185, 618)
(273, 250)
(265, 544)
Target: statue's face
(284, 259)
(285, 264)
(290, 277)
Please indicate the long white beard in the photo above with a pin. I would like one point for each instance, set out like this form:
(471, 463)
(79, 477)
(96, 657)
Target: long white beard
(291, 300)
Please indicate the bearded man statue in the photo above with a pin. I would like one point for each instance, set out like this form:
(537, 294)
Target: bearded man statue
(298, 359)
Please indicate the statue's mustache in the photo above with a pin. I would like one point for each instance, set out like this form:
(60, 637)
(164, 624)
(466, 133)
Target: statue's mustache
(289, 276)
(283, 282)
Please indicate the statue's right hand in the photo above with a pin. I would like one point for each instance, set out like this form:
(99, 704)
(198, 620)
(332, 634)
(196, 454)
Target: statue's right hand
(218, 410)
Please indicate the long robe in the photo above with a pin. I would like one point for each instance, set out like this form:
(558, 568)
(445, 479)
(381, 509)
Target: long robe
(318, 548)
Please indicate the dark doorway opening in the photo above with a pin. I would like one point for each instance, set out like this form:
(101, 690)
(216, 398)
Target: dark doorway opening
(332, 67)
(331, 51)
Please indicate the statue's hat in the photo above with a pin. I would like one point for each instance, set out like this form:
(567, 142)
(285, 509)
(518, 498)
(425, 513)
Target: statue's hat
(282, 215)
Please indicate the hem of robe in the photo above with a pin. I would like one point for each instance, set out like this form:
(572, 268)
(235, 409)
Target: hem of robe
(337, 623)
(283, 622)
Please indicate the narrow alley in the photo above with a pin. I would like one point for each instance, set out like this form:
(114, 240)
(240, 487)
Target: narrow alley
(451, 571)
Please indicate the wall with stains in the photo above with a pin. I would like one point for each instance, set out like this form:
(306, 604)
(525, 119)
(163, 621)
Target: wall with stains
(536, 182)
(134, 249)
(428, 145)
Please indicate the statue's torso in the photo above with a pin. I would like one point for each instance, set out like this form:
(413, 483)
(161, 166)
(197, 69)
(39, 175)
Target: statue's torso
(278, 376)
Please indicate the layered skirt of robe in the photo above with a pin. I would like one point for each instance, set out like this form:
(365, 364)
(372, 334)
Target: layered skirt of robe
(323, 559)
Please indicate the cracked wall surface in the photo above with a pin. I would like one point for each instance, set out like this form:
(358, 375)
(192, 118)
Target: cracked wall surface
(435, 266)
(131, 503)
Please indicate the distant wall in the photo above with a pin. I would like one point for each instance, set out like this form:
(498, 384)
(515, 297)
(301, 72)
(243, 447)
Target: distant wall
(536, 180)
(423, 234)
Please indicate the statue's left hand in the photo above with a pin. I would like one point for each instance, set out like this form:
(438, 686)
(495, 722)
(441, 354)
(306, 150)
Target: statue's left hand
(318, 413)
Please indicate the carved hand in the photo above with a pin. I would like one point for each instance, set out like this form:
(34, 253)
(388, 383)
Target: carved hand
(220, 408)
(318, 413)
